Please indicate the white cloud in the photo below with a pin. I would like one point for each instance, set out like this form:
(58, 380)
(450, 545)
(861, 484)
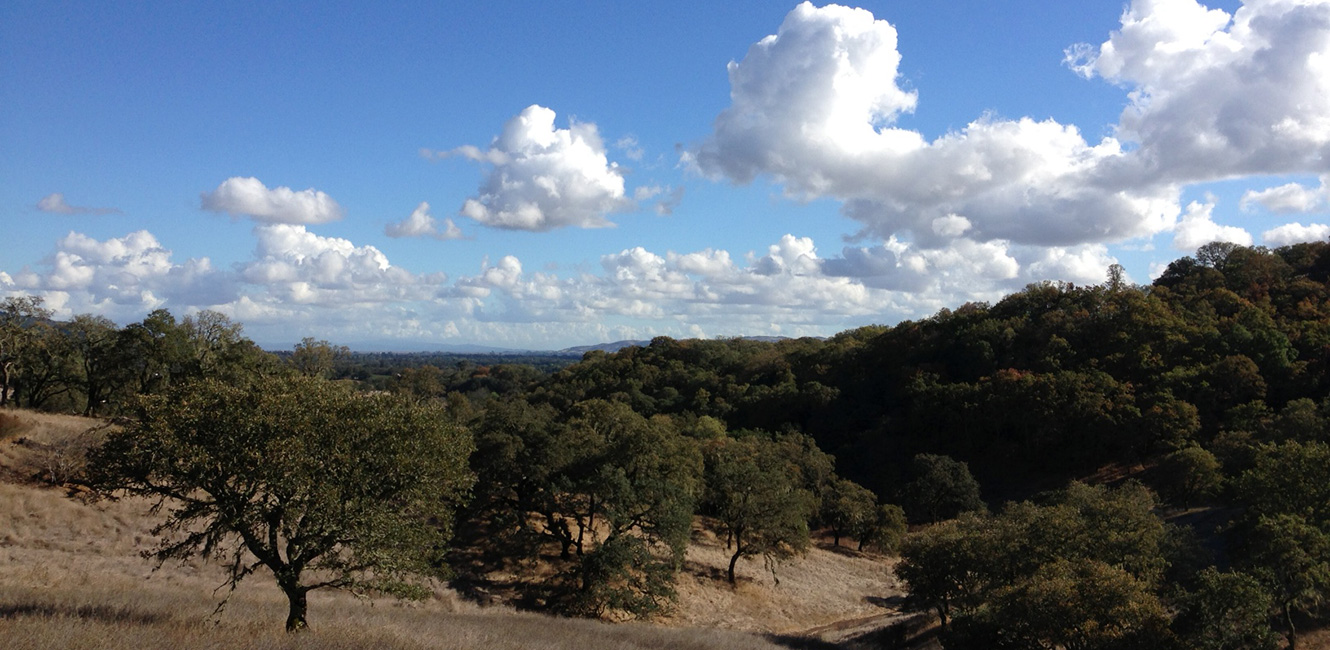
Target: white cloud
(123, 276)
(55, 203)
(420, 224)
(299, 283)
(1290, 198)
(1295, 233)
(250, 197)
(1216, 96)
(814, 106)
(545, 177)
(1082, 265)
(1198, 228)
(305, 268)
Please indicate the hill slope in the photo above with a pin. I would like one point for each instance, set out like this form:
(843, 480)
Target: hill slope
(71, 575)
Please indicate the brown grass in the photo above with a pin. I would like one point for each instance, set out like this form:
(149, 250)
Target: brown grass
(828, 585)
(72, 576)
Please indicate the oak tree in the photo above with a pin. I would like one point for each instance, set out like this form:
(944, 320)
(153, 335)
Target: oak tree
(319, 485)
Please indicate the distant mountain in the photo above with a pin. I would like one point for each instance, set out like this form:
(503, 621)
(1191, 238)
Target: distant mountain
(603, 347)
(412, 347)
(469, 348)
(619, 345)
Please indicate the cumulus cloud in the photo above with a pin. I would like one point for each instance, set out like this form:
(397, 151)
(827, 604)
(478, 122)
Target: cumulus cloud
(298, 282)
(1295, 233)
(1214, 95)
(420, 224)
(305, 268)
(55, 203)
(789, 285)
(250, 197)
(543, 177)
(1290, 198)
(814, 106)
(1197, 228)
(123, 276)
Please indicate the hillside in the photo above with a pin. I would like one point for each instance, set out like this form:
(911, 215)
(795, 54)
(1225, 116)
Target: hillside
(71, 576)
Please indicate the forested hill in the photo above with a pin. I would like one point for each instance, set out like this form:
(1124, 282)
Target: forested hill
(1052, 382)
(1225, 349)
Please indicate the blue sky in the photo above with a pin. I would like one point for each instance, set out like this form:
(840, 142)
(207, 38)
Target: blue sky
(540, 175)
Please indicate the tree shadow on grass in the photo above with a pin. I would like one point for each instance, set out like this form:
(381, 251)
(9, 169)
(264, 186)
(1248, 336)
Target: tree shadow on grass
(104, 613)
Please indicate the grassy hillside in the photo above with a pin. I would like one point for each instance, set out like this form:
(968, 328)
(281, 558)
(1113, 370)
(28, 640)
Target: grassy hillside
(71, 576)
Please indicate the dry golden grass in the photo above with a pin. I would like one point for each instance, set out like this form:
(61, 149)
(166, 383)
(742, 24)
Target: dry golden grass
(72, 576)
(826, 586)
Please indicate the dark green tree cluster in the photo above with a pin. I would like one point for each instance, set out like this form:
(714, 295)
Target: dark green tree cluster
(609, 496)
(90, 366)
(1083, 570)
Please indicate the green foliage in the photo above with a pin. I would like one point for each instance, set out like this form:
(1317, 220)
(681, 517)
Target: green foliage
(759, 498)
(1190, 475)
(315, 358)
(616, 491)
(1075, 604)
(942, 489)
(1292, 557)
(1289, 478)
(1100, 551)
(848, 508)
(948, 566)
(323, 487)
(884, 531)
(20, 318)
(1226, 611)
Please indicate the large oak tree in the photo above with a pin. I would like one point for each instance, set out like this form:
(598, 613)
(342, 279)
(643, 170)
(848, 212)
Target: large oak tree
(321, 486)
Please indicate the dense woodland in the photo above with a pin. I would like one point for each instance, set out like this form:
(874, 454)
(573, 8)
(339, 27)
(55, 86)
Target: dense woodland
(1108, 466)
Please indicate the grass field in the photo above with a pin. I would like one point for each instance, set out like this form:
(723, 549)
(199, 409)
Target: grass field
(71, 576)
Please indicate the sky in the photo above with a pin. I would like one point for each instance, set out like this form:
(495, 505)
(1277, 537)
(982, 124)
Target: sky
(539, 175)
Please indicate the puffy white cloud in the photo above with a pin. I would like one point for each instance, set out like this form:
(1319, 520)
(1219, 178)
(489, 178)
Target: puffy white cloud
(1197, 228)
(250, 197)
(814, 106)
(420, 224)
(1290, 198)
(123, 276)
(299, 283)
(55, 203)
(306, 268)
(1083, 265)
(1295, 233)
(545, 177)
(1216, 96)
(821, 85)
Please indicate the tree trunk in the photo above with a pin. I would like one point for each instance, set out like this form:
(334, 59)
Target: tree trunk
(295, 620)
(733, 559)
(835, 532)
(1292, 632)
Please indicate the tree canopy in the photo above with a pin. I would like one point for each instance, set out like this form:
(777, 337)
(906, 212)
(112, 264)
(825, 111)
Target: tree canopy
(321, 486)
